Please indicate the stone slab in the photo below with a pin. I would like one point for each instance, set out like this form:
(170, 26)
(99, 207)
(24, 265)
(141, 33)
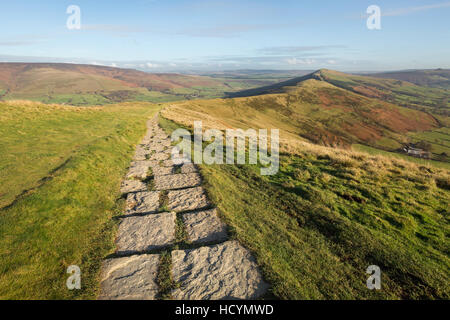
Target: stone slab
(177, 181)
(132, 186)
(223, 271)
(187, 199)
(162, 171)
(160, 156)
(188, 168)
(138, 171)
(130, 278)
(142, 202)
(204, 226)
(139, 234)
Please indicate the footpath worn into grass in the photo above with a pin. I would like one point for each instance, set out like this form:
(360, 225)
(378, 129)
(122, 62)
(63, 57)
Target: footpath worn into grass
(61, 169)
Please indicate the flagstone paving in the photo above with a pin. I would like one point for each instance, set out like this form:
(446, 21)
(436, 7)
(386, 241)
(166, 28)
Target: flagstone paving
(187, 199)
(142, 202)
(130, 278)
(210, 268)
(223, 271)
(177, 181)
(204, 226)
(145, 233)
(129, 186)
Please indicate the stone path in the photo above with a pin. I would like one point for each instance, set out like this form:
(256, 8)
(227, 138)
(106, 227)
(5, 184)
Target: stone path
(161, 198)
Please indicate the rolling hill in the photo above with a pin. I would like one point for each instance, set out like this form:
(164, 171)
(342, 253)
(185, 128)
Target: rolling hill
(399, 92)
(321, 112)
(330, 212)
(97, 85)
(334, 108)
(437, 78)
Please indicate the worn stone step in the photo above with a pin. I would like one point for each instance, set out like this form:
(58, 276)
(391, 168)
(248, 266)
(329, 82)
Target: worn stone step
(141, 153)
(158, 170)
(223, 271)
(159, 156)
(143, 233)
(176, 160)
(204, 226)
(138, 171)
(142, 202)
(187, 199)
(157, 147)
(130, 278)
(188, 168)
(177, 181)
(132, 186)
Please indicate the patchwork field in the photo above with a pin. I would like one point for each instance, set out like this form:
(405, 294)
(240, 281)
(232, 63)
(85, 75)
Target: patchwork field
(84, 85)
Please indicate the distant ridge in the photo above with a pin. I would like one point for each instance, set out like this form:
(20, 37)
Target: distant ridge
(400, 92)
(81, 84)
(274, 88)
(435, 78)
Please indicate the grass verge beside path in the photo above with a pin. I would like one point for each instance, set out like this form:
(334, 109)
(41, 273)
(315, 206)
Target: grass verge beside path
(328, 214)
(73, 161)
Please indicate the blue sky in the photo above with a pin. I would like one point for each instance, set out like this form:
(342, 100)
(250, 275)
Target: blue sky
(179, 35)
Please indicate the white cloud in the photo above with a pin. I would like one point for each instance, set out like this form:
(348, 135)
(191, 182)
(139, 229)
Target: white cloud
(404, 11)
(295, 61)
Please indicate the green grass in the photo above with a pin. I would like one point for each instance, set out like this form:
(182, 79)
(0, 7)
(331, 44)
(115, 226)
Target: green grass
(71, 161)
(317, 225)
(164, 278)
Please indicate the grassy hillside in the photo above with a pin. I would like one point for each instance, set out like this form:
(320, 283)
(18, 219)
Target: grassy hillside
(403, 93)
(97, 85)
(317, 111)
(61, 169)
(328, 214)
(437, 78)
(435, 100)
(363, 110)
